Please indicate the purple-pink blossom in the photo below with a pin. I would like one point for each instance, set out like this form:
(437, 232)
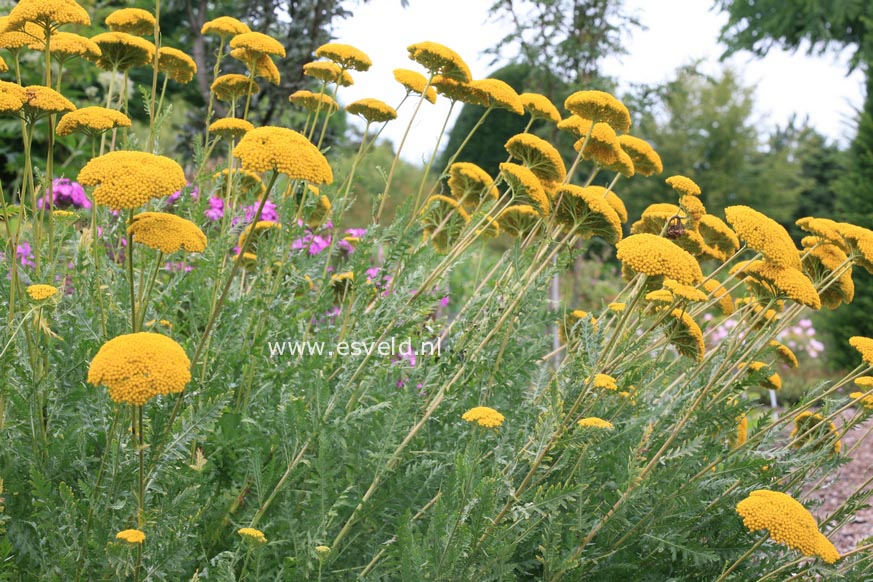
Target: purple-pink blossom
(65, 194)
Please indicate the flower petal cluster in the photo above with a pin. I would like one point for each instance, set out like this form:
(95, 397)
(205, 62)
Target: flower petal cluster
(40, 292)
(262, 64)
(499, 94)
(41, 101)
(285, 151)
(718, 236)
(687, 292)
(258, 43)
(538, 155)
(329, 72)
(373, 110)
(167, 233)
(605, 382)
(764, 235)
(470, 184)
(484, 416)
(122, 51)
(126, 179)
(440, 59)
(518, 220)
(233, 86)
(230, 127)
(66, 45)
(224, 26)
(526, 187)
(683, 185)
(658, 257)
(47, 13)
(442, 220)
(12, 97)
(587, 212)
(717, 291)
(785, 354)
(685, 335)
(462, 91)
(782, 282)
(599, 106)
(864, 345)
(646, 160)
(131, 536)
(594, 422)
(176, 64)
(771, 381)
(313, 101)
(252, 534)
(346, 56)
(415, 82)
(132, 21)
(810, 427)
(540, 107)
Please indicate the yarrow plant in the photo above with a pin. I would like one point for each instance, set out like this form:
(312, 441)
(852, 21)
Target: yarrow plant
(153, 431)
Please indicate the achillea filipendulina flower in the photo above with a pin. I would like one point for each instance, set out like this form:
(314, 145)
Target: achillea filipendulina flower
(243, 183)
(259, 43)
(587, 212)
(782, 282)
(613, 200)
(823, 228)
(602, 145)
(599, 106)
(864, 382)
(470, 184)
(233, 86)
(538, 155)
(12, 97)
(742, 431)
(313, 101)
(772, 380)
(329, 72)
(491, 229)
(616, 307)
(539, 107)
(455, 90)
(347, 56)
(810, 427)
(785, 354)
(372, 110)
(604, 382)
(40, 101)
(716, 290)
(415, 82)
(670, 220)
(176, 64)
(500, 94)
(66, 45)
(442, 220)
(484, 416)
(167, 233)
(864, 345)
(255, 230)
(693, 208)
(865, 400)
(819, 263)
(440, 59)
(283, 150)
(262, 64)
(687, 292)
(139, 366)
(594, 422)
(121, 51)
(683, 185)
(860, 243)
(132, 21)
(518, 220)
(224, 26)
(253, 534)
(685, 335)
(624, 165)
(764, 235)
(130, 179)
(40, 292)
(526, 187)
(787, 522)
(658, 257)
(567, 330)
(718, 235)
(131, 536)
(646, 160)
(13, 40)
(662, 296)
(47, 13)
(230, 127)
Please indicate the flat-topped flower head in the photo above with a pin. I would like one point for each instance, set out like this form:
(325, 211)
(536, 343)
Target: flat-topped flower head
(41, 292)
(684, 334)
(415, 83)
(599, 106)
(258, 43)
(439, 59)
(12, 97)
(470, 184)
(137, 367)
(784, 353)
(67, 45)
(604, 382)
(176, 64)
(771, 279)
(462, 91)
(224, 26)
(585, 211)
(655, 256)
(167, 233)
(686, 292)
(717, 291)
(252, 534)
(538, 155)
(602, 143)
(624, 165)
(764, 235)
(594, 422)
(373, 110)
(859, 241)
(329, 72)
(285, 151)
(825, 229)
(131, 536)
(125, 179)
(864, 345)
(483, 416)
(613, 200)
(519, 220)
(47, 13)
(262, 64)
(770, 379)
(693, 208)
(539, 107)
(132, 21)
(41, 101)
(811, 428)
(646, 160)
(683, 185)
(442, 220)
(121, 51)
(313, 101)
(230, 128)
(865, 400)
(787, 522)
(499, 94)
(346, 56)
(660, 296)
(820, 263)
(526, 187)
(718, 235)
(233, 86)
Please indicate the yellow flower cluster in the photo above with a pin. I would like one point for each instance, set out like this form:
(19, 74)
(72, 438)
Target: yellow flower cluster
(860, 243)
(685, 335)
(623, 164)
(41, 100)
(864, 345)
(820, 261)
(252, 534)
(484, 416)
(605, 382)
(646, 160)
(663, 296)
(373, 110)
(440, 59)
(586, 211)
(131, 536)
(772, 381)
(415, 82)
(313, 101)
(131, 20)
(539, 107)
(823, 228)
(602, 144)
(526, 187)
(616, 307)
(126, 179)
(329, 72)
(686, 292)
(167, 233)
(470, 184)
(122, 51)
(499, 94)
(782, 282)
(224, 26)
(716, 290)
(594, 422)
(47, 13)
(283, 150)
(230, 127)
(442, 220)
(40, 292)
(462, 91)
(12, 97)
(346, 56)
(764, 235)
(811, 427)
(139, 366)
(262, 65)
(742, 434)
(565, 327)
(599, 106)
(541, 157)
(658, 257)
(257, 228)
(720, 240)
(233, 86)
(785, 354)
(787, 522)
(683, 185)
(66, 45)
(258, 43)
(613, 200)
(518, 220)
(176, 64)
(865, 400)
(693, 208)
